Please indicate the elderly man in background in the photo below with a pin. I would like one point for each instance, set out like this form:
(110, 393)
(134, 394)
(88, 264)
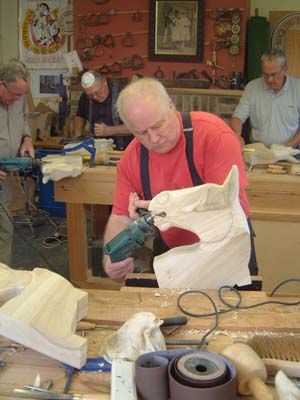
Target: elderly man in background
(15, 139)
(97, 106)
(272, 103)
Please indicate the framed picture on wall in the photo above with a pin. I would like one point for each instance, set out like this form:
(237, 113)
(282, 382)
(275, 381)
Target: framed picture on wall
(176, 30)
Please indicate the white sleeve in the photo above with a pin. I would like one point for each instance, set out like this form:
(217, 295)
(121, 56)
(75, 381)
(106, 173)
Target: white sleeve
(242, 111)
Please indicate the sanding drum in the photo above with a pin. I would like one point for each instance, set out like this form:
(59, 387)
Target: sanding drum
(185, 374)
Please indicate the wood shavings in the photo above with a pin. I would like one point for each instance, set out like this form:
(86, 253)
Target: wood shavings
(165, 304)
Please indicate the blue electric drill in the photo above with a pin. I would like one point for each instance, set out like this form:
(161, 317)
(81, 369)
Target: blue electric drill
(19, 164)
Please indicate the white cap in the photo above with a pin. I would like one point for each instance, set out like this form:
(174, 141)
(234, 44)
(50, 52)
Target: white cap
(87, 80)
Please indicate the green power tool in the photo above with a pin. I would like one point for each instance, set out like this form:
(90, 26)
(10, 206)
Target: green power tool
(128, 241)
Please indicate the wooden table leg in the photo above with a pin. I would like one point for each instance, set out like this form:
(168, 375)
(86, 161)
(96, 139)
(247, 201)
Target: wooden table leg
(77, 242)
(99, 215)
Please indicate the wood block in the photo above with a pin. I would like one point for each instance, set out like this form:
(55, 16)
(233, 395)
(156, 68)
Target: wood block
(41, 310)
(213, 213)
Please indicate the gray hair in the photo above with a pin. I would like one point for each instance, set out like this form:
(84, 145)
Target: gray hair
(13, 70)
(274, 54)
(142, 88)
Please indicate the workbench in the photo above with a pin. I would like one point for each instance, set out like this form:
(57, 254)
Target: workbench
(111, 307)
(274, 211)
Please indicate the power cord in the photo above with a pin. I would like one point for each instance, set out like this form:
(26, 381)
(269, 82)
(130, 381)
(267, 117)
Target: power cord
(230, 307)
(58, 238)
(17, 230)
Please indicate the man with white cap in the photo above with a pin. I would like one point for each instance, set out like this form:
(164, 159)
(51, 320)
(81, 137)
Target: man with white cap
(97, 106)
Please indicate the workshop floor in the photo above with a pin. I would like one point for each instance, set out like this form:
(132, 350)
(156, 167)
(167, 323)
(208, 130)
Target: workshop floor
(47, 247)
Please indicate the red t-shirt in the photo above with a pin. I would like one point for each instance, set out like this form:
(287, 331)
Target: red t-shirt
(215, 149)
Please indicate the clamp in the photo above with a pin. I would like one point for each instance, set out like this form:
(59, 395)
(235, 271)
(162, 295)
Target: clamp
(88, 145)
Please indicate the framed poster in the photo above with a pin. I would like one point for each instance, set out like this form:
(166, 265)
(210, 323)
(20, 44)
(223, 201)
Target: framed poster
(47, 83)
(176, 30)
(42, 38)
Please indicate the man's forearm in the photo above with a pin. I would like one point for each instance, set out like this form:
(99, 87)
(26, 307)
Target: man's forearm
(118, 130)
(115, 224)
(294, 141)
(79, 124)
(236, 125)
(117, 270)
(102, 129)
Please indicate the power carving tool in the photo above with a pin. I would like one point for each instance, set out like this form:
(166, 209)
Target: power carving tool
(19, 164)
(128, 241)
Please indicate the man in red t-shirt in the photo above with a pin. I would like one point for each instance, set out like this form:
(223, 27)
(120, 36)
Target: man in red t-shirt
(150, 115)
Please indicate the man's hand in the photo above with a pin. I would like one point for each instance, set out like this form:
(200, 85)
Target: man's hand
(2, 176)
(101, 130)
(134, 204)
(118, 270)
(27, 146)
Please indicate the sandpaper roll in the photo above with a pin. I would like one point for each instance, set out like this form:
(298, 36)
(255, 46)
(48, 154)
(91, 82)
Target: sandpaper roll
(151, 375)
(202, 376)
(182, 374)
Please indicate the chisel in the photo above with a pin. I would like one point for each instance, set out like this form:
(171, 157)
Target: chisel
(171, 321)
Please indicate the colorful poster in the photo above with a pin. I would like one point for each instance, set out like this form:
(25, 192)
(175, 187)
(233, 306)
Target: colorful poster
(43, 39)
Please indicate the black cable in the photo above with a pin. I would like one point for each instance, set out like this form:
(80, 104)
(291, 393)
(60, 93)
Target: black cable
(202, 341)
(231, 307)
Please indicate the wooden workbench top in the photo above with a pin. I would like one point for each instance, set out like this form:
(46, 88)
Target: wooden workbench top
(271, 197)
(111, 307)
(117, 306)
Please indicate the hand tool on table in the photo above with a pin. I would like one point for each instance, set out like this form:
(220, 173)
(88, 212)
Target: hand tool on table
(128, 241)
(48, 395)
(98, 364)
(69, 372)
(251, 371)
(47, 386)
(169, 321)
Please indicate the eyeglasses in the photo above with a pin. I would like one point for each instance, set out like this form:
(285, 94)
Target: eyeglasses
(274, 75)
(98, 92)
(12, 93)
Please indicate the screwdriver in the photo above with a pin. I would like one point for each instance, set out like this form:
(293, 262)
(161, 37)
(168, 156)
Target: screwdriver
(46, 394)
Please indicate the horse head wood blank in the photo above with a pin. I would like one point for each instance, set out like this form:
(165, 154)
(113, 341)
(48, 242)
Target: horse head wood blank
(212, 212)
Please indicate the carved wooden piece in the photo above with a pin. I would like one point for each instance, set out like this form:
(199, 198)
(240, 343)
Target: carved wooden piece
(56, 167)
(41, 310)
(213, 212)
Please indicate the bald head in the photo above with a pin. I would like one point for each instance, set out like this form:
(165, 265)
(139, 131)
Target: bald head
(139, 91)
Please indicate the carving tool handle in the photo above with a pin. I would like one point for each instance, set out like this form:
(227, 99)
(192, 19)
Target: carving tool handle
(174, 321)
(259, 389)
(290, 368)
(96, 396)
